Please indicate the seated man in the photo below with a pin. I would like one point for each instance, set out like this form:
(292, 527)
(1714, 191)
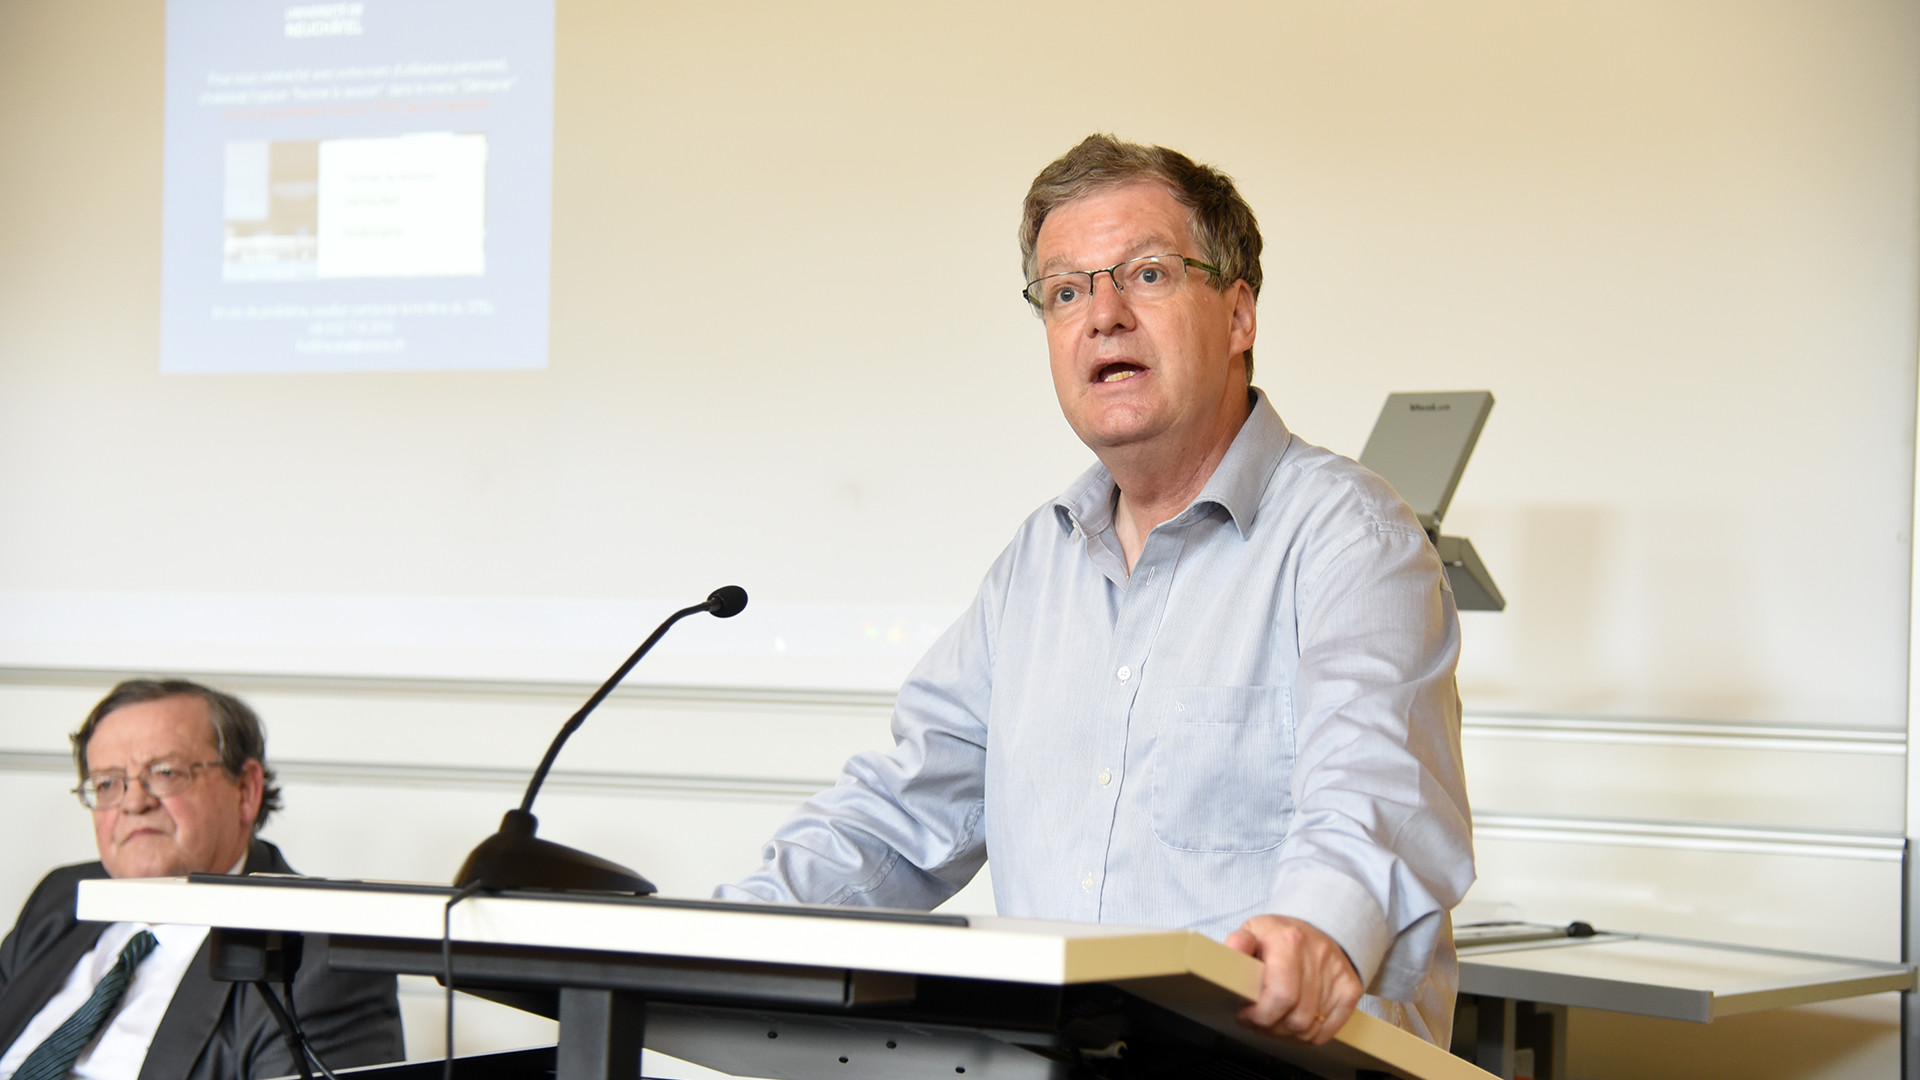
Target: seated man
(176, 777)
(1209, 686)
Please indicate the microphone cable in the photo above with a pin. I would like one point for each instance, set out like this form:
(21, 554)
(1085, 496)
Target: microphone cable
(446, 968)
(296, 1037)
(293, 1014)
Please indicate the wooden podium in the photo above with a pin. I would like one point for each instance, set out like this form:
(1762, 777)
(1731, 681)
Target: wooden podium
(802, 992)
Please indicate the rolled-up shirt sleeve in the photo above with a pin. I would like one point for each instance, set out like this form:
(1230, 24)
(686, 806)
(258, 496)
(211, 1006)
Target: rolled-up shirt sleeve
(1379, 848)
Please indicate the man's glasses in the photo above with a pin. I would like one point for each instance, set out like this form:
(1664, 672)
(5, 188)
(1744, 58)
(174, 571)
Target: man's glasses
(1147, 279)
(162, 778)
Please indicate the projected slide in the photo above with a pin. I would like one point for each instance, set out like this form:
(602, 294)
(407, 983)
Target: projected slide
(357, 186)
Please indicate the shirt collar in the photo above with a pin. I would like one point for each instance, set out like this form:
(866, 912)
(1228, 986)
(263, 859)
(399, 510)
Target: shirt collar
(1236, 486)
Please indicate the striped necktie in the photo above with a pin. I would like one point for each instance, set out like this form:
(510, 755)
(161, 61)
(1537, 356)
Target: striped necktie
(53, 1059)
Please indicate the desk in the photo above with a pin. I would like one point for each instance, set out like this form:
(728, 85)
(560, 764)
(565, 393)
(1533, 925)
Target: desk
(808, 993)
(1514, 995)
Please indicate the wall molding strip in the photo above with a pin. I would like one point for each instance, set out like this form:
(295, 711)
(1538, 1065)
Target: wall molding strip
(393, 686)
(1793, 738)
(35, 761)
(365, 774)
(1651, 732)
(1691, 836)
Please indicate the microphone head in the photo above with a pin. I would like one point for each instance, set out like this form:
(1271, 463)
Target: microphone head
(727, 601)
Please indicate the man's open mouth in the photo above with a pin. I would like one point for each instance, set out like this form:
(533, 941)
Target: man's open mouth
(1118, 372)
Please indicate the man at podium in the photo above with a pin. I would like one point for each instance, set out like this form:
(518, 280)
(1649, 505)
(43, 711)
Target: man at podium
(1209, 686)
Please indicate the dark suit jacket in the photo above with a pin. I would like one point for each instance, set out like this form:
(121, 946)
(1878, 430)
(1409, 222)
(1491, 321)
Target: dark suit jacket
(212, 1030)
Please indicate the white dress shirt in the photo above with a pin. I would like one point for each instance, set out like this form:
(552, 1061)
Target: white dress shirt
(121, 1047)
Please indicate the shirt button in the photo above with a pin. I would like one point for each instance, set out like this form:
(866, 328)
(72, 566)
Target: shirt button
(1087, 883)
(1125, 673)
(1106, 777)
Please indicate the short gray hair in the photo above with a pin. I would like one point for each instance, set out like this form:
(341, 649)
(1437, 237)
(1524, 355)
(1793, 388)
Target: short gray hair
(1221, 222)
(237, 730)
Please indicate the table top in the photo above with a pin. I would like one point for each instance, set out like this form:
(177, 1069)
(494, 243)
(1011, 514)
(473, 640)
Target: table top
(1178, 969)
(985, 947)
(1668, 977)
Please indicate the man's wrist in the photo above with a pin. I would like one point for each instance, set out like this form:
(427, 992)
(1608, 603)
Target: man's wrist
(1340, 908)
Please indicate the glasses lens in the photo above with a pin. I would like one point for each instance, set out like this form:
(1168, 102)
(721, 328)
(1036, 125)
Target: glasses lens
(1153, 276)
(167, 778)
(102, 791)
(161, 778)
(1061, 294)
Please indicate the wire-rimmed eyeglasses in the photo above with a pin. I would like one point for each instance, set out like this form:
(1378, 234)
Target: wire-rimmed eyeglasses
(107, 790)
(1058, 297)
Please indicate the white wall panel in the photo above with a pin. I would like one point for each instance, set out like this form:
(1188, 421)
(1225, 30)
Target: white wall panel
(797, 738)
(392, 779)
(686, 846)
(399, 782)
(1819, 779)
(39, 712)
(1822, 904)
(47, 828)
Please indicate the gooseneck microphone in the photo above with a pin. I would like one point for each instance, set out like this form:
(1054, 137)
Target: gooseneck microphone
(514, 858)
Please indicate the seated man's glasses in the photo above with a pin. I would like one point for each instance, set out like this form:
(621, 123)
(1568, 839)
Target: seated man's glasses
(1145, 280)
(162, 778)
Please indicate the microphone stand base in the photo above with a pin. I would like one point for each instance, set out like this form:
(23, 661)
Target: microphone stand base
(514, 858)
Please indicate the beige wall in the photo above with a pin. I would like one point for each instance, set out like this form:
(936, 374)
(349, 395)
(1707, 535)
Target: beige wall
(1676, 240)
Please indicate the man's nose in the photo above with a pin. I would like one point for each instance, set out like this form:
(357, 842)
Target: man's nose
(1110, 310)
(137, 799)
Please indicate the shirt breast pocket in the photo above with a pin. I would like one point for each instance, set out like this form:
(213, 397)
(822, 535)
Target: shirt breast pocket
(1222, 768)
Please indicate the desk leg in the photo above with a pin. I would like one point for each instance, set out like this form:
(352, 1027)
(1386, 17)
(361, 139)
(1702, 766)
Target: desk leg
(1543, 1029)
(1492, 1032)
(601, 1033)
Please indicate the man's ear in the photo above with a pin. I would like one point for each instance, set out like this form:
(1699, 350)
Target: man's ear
(1245, 318)
(253, 788)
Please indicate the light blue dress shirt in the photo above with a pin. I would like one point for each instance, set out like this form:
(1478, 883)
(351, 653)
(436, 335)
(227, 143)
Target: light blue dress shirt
(1261, 718)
